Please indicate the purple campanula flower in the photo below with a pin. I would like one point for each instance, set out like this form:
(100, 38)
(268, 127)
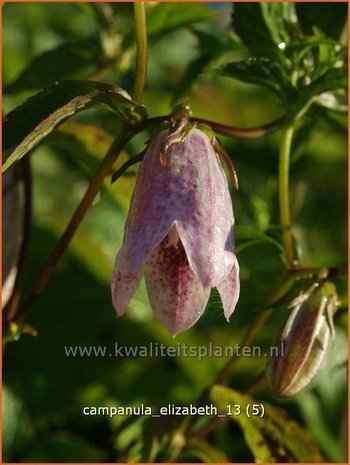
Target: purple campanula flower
(179, 233)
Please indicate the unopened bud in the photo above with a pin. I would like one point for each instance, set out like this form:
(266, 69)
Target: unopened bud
(303, 341)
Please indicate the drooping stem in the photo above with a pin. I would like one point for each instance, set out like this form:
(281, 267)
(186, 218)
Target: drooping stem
(141, 45)
(242, 133)
(283, 188)
(85, 203)
(254, 132)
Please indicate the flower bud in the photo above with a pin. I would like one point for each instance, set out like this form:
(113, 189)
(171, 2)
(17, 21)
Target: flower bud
(303, 341)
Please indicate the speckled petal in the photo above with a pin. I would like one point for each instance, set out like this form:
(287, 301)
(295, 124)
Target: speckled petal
(187, 193)
(191, 191)
(123, 288)
(229, 290)
(205, 220)
(151, 215)
(175, 293)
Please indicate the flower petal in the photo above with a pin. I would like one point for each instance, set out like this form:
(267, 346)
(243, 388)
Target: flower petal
(175, 293)
(123, 288)
(205, 219)
(150, 216)
(191, 191)
(229, 290)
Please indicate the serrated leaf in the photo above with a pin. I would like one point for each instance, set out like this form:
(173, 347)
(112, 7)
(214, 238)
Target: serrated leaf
(274, 437)
(249, 25)
(67, 61)
(28, 124)
(259, 71)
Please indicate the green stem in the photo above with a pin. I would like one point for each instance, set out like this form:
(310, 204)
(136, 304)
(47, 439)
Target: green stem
(141, 45)
(283, 187)
(85, 203)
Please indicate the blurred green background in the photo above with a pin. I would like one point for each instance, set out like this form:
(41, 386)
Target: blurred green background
(44, 390)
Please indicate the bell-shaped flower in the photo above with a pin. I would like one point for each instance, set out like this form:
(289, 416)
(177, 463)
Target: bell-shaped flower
(179, 233)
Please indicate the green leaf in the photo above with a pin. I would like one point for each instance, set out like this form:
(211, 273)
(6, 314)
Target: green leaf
(214, 44)
(282, 22)
(267, 28)
(58, 190)
(67, 61)
(334, 78)
(86, 145)
(100, 12)
(29, 123)
(205, 452)
(167, 17)
(330, 17)
(274, 437)
(259, 71)
(246, 235)
(17, 428)
(249, 24)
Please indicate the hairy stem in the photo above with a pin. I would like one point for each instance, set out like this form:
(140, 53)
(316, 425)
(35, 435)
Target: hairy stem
(85, 203)
(283, 187)
(141, 45)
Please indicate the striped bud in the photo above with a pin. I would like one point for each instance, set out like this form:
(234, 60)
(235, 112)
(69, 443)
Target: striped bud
(303, 341)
